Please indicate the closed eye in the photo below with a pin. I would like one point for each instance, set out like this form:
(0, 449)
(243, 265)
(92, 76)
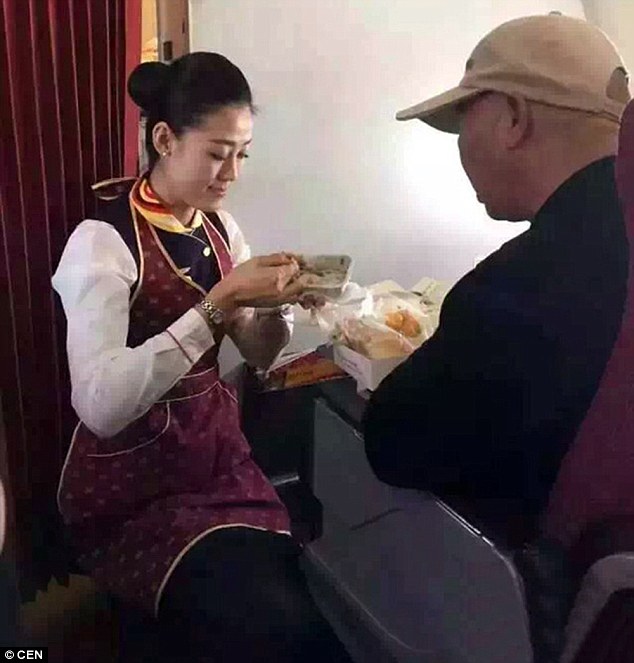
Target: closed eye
(221, 157)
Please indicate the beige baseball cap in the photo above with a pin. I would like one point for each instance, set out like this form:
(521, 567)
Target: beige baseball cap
(553, 59)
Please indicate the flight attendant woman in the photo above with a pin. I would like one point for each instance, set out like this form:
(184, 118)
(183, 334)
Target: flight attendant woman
(163, 500)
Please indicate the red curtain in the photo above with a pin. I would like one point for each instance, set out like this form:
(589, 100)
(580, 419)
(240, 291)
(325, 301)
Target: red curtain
(62, 107)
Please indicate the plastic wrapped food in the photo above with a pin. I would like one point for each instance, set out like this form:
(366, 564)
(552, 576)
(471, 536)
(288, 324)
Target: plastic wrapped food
(373, 340)
(381, 326)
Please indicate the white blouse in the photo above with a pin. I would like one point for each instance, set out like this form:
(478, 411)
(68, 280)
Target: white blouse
(112, 384)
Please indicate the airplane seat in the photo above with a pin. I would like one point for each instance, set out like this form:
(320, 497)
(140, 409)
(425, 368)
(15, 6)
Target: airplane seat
(405, 578)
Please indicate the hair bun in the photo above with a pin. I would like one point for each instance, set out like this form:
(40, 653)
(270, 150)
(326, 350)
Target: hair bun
(147, 85)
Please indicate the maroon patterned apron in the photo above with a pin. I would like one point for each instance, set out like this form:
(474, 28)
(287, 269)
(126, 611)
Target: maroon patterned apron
(135, 503)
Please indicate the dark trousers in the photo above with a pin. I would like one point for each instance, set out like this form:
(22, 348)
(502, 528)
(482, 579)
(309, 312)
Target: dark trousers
(239, 595)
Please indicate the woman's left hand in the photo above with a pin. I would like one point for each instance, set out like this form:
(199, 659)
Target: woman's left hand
(309, 301)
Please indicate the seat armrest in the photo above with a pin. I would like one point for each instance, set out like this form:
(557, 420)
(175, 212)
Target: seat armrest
(603, 562)
(604, 539)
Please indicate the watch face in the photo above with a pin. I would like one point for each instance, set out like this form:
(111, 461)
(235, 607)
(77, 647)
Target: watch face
(217, 317)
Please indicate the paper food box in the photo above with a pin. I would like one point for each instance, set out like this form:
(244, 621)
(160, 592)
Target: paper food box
(368, 373)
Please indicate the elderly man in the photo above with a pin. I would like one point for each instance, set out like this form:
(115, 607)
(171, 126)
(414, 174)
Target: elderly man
(489, 405)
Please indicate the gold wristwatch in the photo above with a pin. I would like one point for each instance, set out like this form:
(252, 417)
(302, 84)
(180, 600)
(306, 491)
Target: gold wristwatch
(215, 316)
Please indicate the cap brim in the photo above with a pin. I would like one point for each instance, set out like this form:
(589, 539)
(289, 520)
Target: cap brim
(440, 112)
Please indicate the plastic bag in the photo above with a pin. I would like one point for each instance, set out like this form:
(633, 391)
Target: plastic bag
(379, 326)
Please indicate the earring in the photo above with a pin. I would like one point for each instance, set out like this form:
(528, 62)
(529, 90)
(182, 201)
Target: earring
(164, 154)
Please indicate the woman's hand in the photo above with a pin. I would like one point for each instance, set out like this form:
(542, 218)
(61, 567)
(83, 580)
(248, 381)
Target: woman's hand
(262, 282)
(309, 301)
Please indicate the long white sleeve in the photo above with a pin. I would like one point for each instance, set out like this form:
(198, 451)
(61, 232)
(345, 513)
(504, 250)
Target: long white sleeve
(112, 385)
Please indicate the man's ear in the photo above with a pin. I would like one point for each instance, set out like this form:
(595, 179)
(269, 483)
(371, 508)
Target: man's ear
(518, 122)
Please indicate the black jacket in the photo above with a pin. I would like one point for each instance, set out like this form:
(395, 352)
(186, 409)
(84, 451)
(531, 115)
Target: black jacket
(489, 405)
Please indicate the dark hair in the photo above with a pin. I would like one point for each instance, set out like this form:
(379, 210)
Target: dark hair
(183, 92)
